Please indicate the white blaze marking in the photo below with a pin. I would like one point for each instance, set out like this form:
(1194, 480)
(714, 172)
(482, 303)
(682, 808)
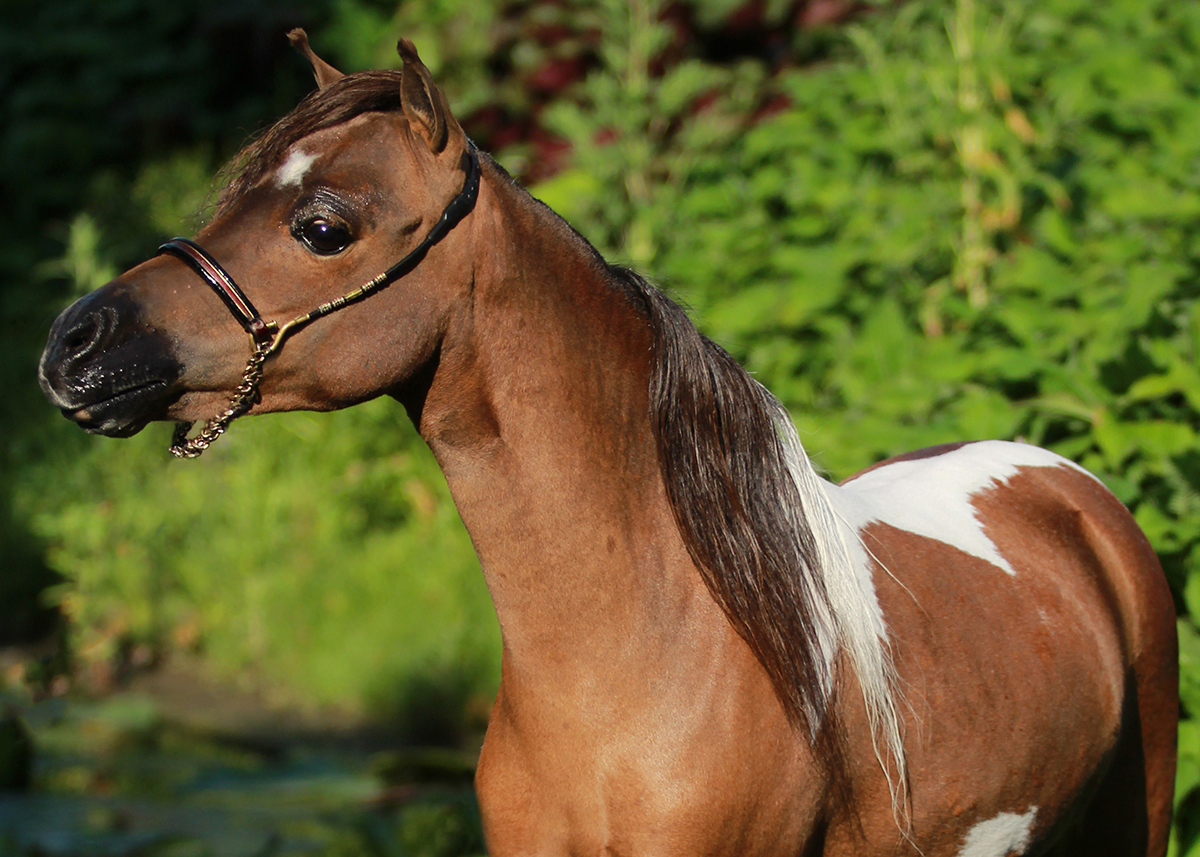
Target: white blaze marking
(293, 169)
(999, 836)
(931, 497)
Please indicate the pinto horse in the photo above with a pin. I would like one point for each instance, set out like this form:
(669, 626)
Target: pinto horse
(707, 649)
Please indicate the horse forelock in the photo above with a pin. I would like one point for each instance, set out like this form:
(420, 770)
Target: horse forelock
(758, 523)
(340, 101)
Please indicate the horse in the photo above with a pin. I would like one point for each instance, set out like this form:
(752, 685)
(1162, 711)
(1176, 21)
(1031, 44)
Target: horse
(707, 648)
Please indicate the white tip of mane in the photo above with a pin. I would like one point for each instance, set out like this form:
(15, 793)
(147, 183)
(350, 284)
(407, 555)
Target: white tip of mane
(857, 624)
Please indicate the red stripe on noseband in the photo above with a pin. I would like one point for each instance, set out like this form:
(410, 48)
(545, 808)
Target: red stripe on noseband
(218, 278)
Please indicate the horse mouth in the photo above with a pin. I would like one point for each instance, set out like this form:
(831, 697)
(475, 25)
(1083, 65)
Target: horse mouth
(120, 414)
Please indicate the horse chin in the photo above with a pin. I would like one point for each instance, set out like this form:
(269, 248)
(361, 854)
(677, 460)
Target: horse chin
(121, 415)
(117, 429)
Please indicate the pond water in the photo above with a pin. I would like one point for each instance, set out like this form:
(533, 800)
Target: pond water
(116, 777)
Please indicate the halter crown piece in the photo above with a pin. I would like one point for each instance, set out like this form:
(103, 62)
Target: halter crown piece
(268, 336)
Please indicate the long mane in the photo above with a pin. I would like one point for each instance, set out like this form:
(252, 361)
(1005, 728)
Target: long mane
(751, 509)
(758, 523)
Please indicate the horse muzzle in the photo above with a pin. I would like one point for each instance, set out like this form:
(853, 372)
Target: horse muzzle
(105, 369)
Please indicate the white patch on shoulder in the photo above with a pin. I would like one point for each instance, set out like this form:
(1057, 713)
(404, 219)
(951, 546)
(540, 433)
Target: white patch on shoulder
(294, 168)
(1007, 833)
(932, 496)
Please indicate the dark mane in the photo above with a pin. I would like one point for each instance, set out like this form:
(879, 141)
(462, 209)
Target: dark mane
(352, 95)
(738, 507)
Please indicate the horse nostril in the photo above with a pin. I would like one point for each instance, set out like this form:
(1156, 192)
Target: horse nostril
(88, 334)
(80, 336)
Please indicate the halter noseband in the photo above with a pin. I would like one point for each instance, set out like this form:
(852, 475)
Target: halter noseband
(268, 336)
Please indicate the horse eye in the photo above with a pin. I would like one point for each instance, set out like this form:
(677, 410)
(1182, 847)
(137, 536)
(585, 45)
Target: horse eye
(324, 237)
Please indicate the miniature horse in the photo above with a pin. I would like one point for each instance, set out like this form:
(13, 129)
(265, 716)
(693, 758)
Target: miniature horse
(707, 649)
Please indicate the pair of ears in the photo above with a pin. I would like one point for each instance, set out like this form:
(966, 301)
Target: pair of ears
(426, 108)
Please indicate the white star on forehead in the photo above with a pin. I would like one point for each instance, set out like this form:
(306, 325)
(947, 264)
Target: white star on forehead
(294, 168)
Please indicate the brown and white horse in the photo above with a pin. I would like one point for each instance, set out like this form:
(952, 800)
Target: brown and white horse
(708, 649)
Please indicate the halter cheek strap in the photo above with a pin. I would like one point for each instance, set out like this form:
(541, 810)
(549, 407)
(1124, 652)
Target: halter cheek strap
(267, 335)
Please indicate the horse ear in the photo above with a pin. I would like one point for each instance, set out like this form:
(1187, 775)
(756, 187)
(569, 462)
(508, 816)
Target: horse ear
(322, 71)
(424, 105)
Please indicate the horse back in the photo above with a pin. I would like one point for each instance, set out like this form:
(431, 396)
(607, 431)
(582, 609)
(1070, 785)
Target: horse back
(1034, 642)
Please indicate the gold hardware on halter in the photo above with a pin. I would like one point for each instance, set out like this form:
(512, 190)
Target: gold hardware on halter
(243, 399)
(281, 333)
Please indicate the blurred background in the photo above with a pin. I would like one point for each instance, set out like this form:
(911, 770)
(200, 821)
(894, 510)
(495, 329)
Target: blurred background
(917, 222)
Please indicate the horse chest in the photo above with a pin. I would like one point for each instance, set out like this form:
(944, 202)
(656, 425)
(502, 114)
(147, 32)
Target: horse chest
(555, 785)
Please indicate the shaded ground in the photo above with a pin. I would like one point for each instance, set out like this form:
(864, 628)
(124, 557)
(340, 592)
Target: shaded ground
(174, 764)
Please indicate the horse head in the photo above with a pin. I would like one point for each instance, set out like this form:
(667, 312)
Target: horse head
(369, 169)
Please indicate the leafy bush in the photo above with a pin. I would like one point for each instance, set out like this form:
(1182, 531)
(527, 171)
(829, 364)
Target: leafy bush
(285, 555)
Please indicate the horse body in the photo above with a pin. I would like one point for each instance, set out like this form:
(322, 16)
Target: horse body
(982, 640)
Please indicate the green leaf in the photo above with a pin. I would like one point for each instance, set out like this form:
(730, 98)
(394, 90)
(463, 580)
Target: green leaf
(1189, 673)
(570, 193)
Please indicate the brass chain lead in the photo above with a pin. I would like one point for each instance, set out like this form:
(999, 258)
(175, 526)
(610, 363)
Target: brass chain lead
(242, 400)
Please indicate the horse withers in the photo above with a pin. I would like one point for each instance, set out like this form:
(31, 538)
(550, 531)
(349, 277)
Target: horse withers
(707, 649)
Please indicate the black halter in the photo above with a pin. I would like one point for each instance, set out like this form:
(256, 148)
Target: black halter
(269, 336)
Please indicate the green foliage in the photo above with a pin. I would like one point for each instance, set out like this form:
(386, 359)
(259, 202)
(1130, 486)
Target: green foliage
(322, 553)
(454, 37)
(442, 824)
(117, 777)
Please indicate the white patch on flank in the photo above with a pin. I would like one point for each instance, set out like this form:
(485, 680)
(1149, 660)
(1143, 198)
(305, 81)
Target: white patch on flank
(294, 168)
(1000, 836)
(932, 497)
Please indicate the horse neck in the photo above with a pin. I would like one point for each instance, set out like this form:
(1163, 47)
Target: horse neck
(538, 413)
